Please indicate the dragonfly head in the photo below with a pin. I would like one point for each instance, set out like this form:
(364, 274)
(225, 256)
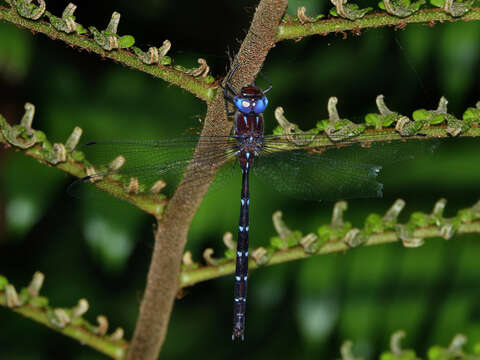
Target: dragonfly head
(251, 101)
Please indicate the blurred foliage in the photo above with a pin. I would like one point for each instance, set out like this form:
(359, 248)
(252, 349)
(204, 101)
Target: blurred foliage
(15, 53)
(303, 309)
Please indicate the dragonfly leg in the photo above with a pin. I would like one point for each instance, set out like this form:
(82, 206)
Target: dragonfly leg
(270, 85)
(229, 99)
(228, 86)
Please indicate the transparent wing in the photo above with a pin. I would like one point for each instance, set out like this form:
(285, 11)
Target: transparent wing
(295, 167)
(332, 173)
(151, 160)
(310, 139)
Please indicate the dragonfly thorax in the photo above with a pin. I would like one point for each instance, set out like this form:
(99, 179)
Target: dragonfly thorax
(248, 125)
(249, 135)
(250, 144)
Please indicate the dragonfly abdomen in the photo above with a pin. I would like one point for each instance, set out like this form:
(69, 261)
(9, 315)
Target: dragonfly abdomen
(241, 269)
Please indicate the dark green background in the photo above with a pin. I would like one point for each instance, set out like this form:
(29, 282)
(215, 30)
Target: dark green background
(304, 309)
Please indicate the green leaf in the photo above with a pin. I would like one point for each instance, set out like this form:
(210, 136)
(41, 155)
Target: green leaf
(126, 41)
(438, 3)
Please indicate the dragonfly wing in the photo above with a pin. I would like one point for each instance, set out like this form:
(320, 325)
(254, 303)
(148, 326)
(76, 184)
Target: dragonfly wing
(148, 161)
(333, 173)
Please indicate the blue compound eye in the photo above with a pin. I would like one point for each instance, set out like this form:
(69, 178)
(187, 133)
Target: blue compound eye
(260, 105)
(243, 105)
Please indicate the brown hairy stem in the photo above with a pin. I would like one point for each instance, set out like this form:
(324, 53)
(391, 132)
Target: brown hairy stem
(162, 280)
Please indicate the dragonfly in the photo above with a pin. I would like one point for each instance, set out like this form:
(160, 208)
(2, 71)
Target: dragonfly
(288, 163)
